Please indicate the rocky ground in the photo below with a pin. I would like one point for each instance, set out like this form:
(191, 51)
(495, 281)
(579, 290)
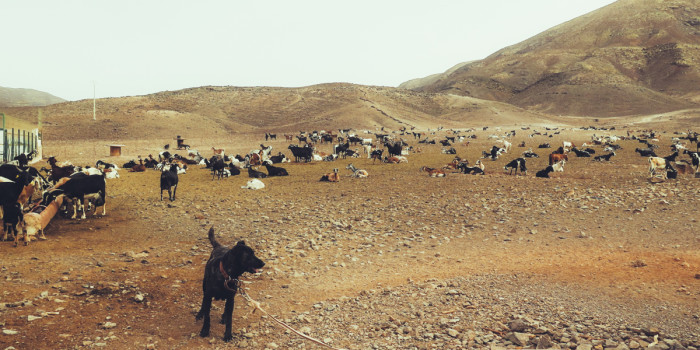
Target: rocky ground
(596, 257)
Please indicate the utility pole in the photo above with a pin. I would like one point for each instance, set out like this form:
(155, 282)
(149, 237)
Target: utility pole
(94, 102)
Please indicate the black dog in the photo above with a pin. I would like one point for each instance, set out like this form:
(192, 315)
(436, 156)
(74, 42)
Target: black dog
(220, 282)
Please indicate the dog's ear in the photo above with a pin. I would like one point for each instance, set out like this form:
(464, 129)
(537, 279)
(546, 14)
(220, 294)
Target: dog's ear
(240, 243)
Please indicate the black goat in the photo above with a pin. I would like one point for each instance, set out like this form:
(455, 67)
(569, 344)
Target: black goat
(302, 153)
(544, 172)
(645, 152)
(275, 171)
(530, 154)
(234, 170)
(130, 164)
(376, 154)
(605, 157)
(393, 149)
(168, 181)
(256, 174)
(278, 158)
(217, 167)
(671, 158)
(516, 164)
(12, 217)
(580, 153)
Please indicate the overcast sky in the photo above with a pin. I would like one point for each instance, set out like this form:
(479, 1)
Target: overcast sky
(138, 47)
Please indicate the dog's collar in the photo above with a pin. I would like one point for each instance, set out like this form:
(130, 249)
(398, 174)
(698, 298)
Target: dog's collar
(228, 279)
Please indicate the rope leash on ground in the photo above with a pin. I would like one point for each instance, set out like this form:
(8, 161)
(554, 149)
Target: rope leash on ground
(257, 306)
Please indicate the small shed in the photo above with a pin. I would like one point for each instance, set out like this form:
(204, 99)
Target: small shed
(115, 150)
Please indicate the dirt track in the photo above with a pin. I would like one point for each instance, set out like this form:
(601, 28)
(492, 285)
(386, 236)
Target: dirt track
(580, 234)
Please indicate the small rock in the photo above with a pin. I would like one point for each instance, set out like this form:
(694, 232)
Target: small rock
(517, 325)
(452, 333)
(517, 338)
(9, 331)
(109, 325)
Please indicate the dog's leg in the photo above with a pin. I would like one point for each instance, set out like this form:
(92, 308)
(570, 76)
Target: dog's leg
(228, 317)
(174, 191)
(204, 313)
(161, 194)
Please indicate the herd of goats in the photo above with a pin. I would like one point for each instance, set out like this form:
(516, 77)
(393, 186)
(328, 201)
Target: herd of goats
(65, 184)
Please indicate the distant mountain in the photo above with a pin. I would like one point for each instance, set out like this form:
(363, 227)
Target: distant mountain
(10, 97)
(630, 57)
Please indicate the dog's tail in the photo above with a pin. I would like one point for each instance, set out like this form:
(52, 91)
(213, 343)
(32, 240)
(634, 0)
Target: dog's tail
(212, 239)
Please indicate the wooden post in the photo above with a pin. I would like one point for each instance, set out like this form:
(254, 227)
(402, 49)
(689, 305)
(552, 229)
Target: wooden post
(12, 146)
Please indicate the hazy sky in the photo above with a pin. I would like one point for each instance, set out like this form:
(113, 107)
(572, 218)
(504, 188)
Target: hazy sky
(145, 46)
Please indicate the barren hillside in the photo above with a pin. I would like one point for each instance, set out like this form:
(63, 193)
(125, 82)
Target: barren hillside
(222, 111)
(10, 97)
(631, 57)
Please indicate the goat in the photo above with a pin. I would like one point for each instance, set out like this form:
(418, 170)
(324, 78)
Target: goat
(478, 168)
(12, 217)
(168, 181)
(605, 157)
(432, 172)
(694, 158)
(530, 154)
(279, 158)
(376, 154)
(100, 164)
(302, 153)
(357, 172)
(78, 188)
(275, 171)
(252, 173)
(515, 164)
(138, 168)
(657, 163)
(556, 157)
(559, 166)
(545, 172)
(580, 153)
(331, 177)
(393, 149)
(128, 165)
(217, 167)
(395, 160)
(254, 184)
(57, 172)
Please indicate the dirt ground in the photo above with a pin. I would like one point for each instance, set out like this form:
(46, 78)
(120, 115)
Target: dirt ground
(132, 279)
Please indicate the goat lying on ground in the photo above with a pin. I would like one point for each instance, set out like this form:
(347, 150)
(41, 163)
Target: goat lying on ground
(256, 174)
(275, 171)
(605, 157)
(357, 172)
(254, 184)
(331, 177)
(478, 168)
(545, 172)
(138, 168)
(432, 172)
